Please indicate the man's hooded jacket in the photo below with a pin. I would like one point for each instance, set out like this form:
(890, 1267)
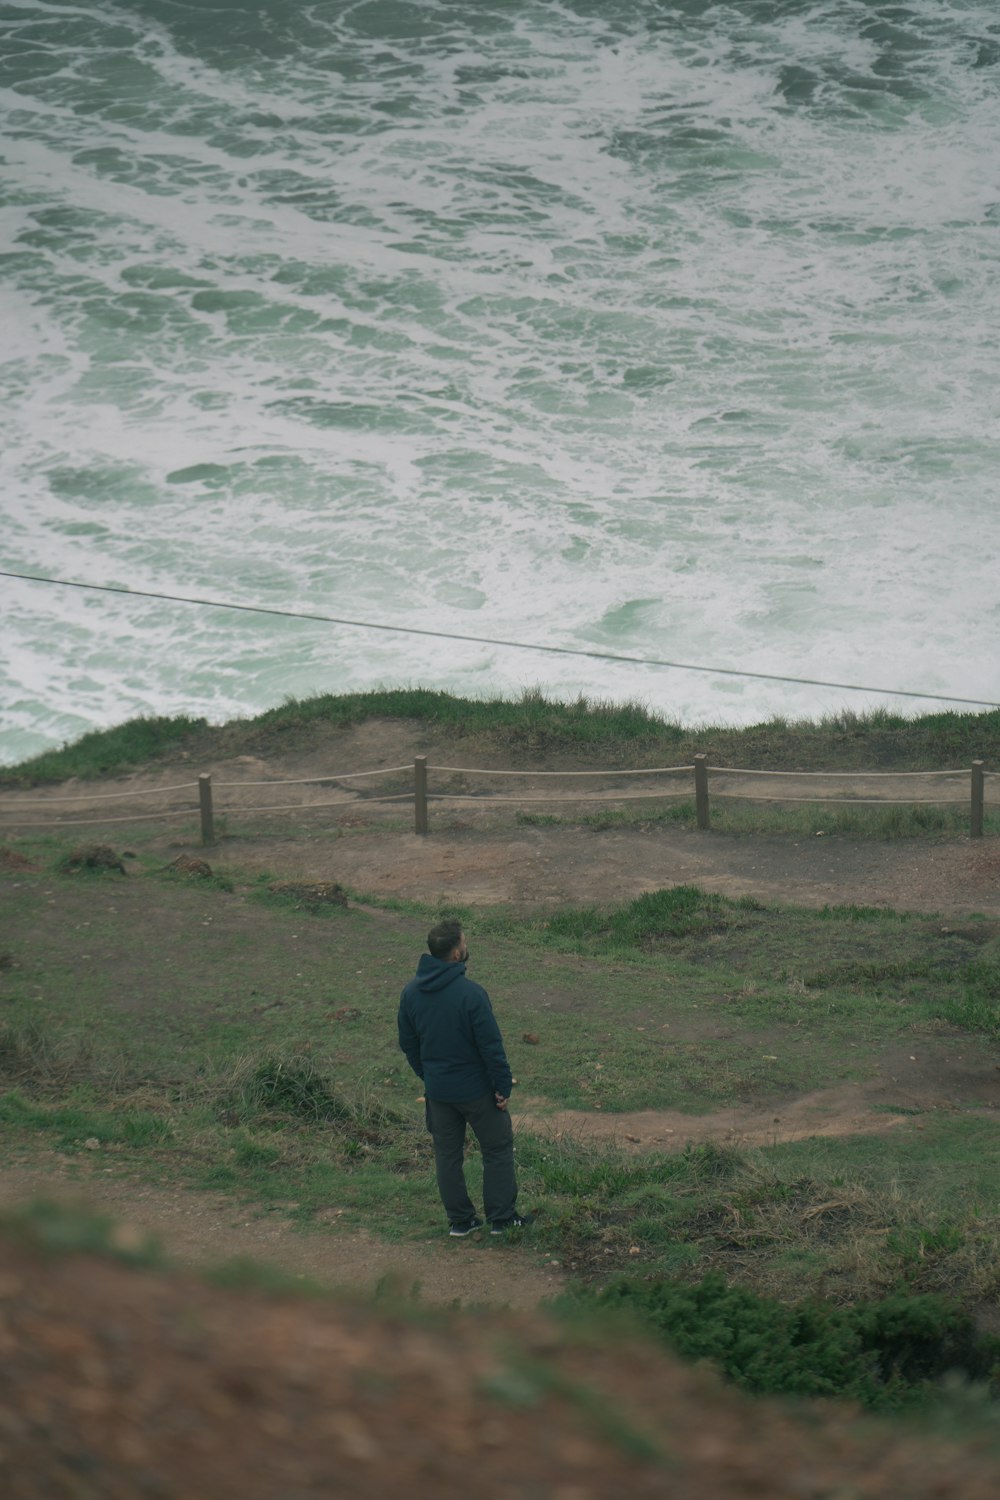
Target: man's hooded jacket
(449, 1034)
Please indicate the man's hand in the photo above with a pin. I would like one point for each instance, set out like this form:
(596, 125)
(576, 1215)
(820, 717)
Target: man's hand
(501, 1101)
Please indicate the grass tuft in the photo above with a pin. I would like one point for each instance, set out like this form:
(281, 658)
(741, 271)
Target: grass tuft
(43, 1062)
(57, 1229)
(285, 1089)
(96, 859)
(291, 1087)
(977, 1008)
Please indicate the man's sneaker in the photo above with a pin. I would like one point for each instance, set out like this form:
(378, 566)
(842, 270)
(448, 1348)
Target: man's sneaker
(519, 1221)
(459, 1231)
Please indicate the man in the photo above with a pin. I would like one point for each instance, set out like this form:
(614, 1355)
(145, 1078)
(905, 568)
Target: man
(452, 1041)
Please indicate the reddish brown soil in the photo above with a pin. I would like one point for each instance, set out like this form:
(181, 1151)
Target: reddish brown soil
(121, 1385)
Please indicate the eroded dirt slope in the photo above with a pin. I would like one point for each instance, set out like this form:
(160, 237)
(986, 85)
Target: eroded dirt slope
(118, 1384)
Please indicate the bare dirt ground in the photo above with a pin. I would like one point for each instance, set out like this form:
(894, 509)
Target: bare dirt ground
(206, 1230)
(533, 867)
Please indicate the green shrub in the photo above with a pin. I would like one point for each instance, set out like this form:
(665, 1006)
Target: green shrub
(920, 1339)
(884, 1354)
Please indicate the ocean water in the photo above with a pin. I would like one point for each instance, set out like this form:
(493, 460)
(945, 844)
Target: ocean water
(662, 328)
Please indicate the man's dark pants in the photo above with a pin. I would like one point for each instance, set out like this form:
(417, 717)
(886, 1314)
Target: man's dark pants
(447, 1124)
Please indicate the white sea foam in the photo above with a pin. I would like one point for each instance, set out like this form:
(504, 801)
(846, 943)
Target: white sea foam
(667, 341)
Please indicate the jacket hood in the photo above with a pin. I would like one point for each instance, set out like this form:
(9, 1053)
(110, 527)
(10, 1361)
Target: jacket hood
(437, 973)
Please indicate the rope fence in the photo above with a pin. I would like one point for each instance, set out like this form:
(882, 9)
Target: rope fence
(475, 771)
(323, 780)
(421, 796)
(556, 797)
(332, 802)
(841, 775)
(156, 791)
(181, 812)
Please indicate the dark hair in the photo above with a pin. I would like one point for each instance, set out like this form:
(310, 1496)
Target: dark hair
(444, 938)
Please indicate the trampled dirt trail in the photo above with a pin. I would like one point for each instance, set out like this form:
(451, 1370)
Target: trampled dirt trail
(208, 1230)
(528, 868)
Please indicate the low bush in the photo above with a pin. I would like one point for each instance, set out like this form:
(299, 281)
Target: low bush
(888, 1355)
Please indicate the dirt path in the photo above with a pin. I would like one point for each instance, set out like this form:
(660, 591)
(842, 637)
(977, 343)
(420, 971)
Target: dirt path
(200, 1229)
(206, 1230)
(551, 867)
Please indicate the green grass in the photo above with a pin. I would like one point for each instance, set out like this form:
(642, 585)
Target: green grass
(85, 1125)
(104, 751)
(604, 733)
(847, 1218)
(734, 816)
(675, 1000)
(186, 1033)
(679, 999)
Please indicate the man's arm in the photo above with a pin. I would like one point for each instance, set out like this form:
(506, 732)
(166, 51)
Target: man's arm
(491, 1049)
(409, 1041)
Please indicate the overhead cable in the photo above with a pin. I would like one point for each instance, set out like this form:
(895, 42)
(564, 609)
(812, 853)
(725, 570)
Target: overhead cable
(485, 640)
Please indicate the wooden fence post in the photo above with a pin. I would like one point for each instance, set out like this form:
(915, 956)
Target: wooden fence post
(420, 794)
(701, 789)
(205, 801)
(976, 819)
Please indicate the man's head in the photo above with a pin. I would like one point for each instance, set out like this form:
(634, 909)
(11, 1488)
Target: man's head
(447, 941)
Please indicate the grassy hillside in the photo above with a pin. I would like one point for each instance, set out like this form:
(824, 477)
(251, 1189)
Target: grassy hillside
(244, 1040)
(531, 726)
